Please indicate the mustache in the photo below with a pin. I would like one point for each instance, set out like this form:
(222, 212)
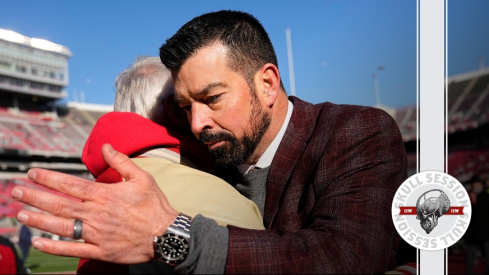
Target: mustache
(208, 136)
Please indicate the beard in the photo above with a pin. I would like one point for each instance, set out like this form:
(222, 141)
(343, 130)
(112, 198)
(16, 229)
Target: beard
(236, 151)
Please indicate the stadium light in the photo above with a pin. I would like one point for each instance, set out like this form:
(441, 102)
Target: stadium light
(377, 85)
(291, 61)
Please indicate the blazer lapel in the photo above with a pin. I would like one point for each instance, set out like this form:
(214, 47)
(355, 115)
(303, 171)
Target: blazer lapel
(289, 152)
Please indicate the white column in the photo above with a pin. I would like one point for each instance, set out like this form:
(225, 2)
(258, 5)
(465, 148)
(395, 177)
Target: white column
(431, 106)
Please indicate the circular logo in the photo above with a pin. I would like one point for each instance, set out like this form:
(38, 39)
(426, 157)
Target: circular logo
(431, 210)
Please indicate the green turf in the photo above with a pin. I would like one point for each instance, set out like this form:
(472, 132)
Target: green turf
(39, 262)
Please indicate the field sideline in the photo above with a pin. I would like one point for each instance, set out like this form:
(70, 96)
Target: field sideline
(39, 262)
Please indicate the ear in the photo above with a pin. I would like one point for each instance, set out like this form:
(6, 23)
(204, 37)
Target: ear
(268, 83)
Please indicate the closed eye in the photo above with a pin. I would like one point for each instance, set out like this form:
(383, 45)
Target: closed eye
(213, 99)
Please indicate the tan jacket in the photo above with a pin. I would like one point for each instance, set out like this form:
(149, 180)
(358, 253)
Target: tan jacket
(193, 192)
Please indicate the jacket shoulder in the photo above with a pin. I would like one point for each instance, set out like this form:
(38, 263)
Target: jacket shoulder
(324, 117)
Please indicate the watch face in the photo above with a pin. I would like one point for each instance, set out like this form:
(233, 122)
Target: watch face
(172, 248)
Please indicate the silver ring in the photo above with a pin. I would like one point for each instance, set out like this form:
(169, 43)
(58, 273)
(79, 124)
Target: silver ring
(77, 229)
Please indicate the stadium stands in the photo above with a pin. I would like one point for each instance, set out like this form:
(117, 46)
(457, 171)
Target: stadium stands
(63, 133)
(467, 102)
(48, 134)
(468, 123)
(466, 164)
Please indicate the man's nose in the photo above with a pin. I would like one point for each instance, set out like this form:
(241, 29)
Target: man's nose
(200, 119)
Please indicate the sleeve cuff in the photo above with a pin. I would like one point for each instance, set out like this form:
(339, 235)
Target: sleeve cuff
(208, 248)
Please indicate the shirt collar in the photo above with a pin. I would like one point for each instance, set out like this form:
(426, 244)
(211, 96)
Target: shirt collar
(266, 159)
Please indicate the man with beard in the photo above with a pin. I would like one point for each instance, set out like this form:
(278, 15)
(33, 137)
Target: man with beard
(322, 175)
(168, 154)
(237, 151)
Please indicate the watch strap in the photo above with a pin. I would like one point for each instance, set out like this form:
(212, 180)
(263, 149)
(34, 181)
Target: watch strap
(181, 226)
(179, 229)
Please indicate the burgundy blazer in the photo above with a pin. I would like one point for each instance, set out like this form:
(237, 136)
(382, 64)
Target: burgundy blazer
(328, 196)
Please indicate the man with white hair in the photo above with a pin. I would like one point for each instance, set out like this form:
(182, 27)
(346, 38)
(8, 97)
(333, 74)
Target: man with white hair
(160, 149)
(142, 87)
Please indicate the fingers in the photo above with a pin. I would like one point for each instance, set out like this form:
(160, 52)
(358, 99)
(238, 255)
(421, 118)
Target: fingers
(48, 202)
(70, 185)
(68, 249)
(85, 250)
(59, 226)
(111, 213)
(121, 163)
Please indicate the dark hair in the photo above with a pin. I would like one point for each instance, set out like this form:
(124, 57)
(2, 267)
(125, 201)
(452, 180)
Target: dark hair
(247, 41)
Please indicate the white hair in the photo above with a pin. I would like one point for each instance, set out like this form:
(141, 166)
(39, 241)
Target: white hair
(141, 88)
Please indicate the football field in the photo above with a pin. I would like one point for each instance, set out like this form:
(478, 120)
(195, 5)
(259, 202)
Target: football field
(39, 262)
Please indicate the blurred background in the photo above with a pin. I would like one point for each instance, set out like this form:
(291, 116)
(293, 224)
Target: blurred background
(59, 59)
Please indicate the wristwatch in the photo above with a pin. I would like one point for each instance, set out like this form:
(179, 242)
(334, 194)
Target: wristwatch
(173, 246)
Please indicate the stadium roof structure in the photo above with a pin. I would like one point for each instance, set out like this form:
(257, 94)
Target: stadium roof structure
(91, 106)
(468, 75)
(32, 70)
(37, 43)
